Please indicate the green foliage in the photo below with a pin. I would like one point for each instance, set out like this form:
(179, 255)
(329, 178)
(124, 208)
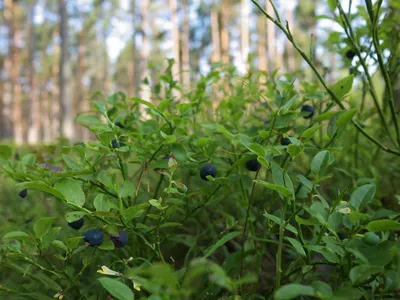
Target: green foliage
(316, 220)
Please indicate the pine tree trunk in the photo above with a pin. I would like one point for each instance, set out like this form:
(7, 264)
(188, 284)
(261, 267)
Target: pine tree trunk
(245, 33)
(271, 39)
(132, 62)
(176, 68)
(15, 72)
(186, 74)
(226, 8)
(262, 46)
(6, 120)
(144, 51)
(215, 36)
(80, 89)
(34, 112)
(55, 91)
(66, 102)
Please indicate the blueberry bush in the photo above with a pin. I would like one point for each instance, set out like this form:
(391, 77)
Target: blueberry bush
(233, 190)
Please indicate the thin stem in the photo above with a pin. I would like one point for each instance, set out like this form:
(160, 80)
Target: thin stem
(280, 248)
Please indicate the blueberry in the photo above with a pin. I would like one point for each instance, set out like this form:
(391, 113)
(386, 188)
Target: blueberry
(371, 239)
(208, 170)
(77, 224)
(309, 109)
(94, 237)
(253, 165)
(350, 54)
(23, 193)
(119, 124)
(342, 235)
(285, 141)
(121, 240)
(116, 144)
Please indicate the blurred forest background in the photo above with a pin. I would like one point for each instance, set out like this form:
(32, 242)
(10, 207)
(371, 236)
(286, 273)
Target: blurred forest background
(54, 54)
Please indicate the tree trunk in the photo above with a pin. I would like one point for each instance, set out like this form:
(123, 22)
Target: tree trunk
(80, 89)
(6, 121)
(226, 8)
(55, 87)
(132, 62)
(186, 74)
(262, 46)
(66, 102)
(215, 36)
(34, 112)
(245, 33)
(16, 63)
(144, 51)
(176, 68)
(271, 40)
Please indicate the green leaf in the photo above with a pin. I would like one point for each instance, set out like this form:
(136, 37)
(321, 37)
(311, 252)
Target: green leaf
(277, 174)
(117, 289)
(346, 117)
(42, 226)
(293, 290)
(107, 245)
(71, 190)
(332, 4)
(284, 191)
(362, 196)
(320, 162)
(101, 107)
(343, 86)
(322, 289)
(361, 273)
(297, 246)
(16, 235)
(221, 242)
(256, 149)
(278, 221)
(144, 102)
(101, 203)
(307, 183)
(308, 133)
(294, 150)
(125, 189)
(325, 116)
(134, 211)
(74, 216)
(42, 186)
(383, 225)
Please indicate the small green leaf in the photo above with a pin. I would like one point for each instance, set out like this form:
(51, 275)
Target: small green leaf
(75, 216)
(343, 86)
(325, 116)
(116, 288)
(279, 188)
(383, 225)
(293, 290)
(294, 150)
(297, 246)
(362, 196)
(361, 273)
(256, 149)
(101, 203)
(346, 117)
(125, 189)
(42, 226)
(16, 235)
(221, 242)
(321, 162)
(134, 211)
(101, 107)
(278, 221)
(71, 190)
(107, 245)
(308, 133)
(332, 4)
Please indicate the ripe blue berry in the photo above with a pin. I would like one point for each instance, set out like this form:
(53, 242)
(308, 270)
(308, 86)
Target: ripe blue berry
(309, 109)
(121, 240)
(350, 54)
(253, 165)
(342, 235)
(285, 141)
(94, 237)
(77, 224)
(23, 193)
(119, 124)
(116, 144)
(208, 170)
